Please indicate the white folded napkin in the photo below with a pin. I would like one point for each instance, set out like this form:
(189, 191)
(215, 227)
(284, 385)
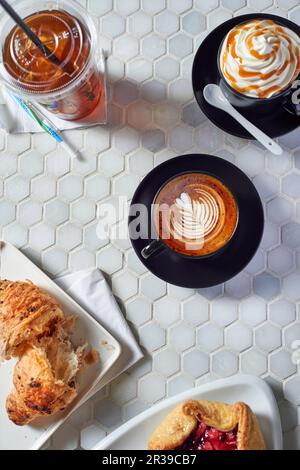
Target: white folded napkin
(89, 289)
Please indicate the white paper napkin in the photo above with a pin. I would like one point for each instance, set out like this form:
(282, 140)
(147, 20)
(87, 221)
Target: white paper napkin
(90, 289)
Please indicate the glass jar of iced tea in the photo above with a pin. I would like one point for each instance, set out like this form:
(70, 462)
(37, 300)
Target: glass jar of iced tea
(71, 89)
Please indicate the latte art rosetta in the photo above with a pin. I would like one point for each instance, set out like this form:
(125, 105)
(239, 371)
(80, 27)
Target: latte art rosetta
(260, 58)
(195, 214)
(195, 218)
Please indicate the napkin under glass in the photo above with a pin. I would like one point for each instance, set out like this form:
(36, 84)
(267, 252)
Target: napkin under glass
(90, 290)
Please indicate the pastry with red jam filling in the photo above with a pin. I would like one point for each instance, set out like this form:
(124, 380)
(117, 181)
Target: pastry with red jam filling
(203, 425)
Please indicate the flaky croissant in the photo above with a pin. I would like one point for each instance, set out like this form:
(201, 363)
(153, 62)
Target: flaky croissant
(44, 379)
(27, 314)
(34, 328)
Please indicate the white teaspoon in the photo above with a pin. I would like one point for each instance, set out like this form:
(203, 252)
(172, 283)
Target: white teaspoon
(215, 96)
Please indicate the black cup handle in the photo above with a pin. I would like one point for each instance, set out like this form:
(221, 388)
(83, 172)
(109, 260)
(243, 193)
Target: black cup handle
(153, 248)
(292, 102)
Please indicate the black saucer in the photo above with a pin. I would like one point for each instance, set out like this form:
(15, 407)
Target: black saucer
(206, 272)
(205, 71)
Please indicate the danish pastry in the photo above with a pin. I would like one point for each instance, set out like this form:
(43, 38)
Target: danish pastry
(204, 425)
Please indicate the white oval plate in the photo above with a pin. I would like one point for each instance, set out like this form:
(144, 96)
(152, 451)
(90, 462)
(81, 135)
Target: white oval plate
(255, 392)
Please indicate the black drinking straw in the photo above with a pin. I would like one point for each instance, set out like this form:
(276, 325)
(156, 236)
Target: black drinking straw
(14, 15)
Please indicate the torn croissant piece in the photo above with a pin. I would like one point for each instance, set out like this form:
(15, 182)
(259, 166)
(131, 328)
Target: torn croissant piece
(44, 379)
(34, 328)
(27, 314)
(204, 425)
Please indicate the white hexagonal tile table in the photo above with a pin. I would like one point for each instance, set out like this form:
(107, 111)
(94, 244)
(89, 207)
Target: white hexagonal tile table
(50, 206)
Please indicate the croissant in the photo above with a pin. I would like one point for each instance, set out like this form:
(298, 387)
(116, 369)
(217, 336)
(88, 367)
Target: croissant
(44, 379)
(204, 425)
(27, 314)
(33, 328)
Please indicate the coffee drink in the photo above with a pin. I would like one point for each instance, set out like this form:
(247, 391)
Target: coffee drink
(261, 58)
(195, 214)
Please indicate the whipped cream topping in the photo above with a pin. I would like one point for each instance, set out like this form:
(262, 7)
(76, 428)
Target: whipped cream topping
(195, 219)
(261, 58)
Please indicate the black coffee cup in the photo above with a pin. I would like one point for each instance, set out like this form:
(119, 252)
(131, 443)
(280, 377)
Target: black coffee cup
(158, 245)
(262, 105)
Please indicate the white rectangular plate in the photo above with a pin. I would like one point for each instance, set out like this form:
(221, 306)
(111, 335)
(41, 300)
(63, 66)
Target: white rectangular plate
(16, 267)
(135, 434)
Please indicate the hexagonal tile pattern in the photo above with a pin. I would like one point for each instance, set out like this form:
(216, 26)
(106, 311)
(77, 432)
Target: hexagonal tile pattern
(110, 260)
(113, 25)
(196, 363)
(224, 311)
(181, 45)
(7, 212)
(43, 188)
(56, 212)
(254, 362)
(139, 311)
(141, 162)
(123, 389)
(53, 207)
(108, 413)
(239, 287)
(70, 188)
(153, 46)
(225, 363)
(291, 286)
(182, 337)
(91, 435)
(290, 185)
(15, 234)
(166, 311)
(238, 337)
(281, 364)
(292, 336)
(42, 236)
(16, 188)
(196, 311)
(291, 390)
(167, 362)
(280, 261)
(69, 236)
(152, 287)
(55, 260)
(166, 23)
(152, 388)
(194, 23)
(31, 212)
(140, 24)
(279, 210)
(253, 311)
(282, 312)
(268, 337)
(140, 115)
(290, 235)
(167, 68)
(154, 140)
(210, 337)
(125, 285)
(266, 286)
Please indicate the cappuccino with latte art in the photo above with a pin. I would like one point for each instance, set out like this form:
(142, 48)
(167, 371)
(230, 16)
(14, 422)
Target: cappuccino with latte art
(195, 214)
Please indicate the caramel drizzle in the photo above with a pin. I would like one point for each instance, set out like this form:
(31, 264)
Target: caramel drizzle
(231, 48)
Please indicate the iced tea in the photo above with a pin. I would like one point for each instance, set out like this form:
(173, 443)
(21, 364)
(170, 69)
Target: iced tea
(71, 90)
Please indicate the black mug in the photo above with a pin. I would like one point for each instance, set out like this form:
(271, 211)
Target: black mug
(157, 245)
(285, 99)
